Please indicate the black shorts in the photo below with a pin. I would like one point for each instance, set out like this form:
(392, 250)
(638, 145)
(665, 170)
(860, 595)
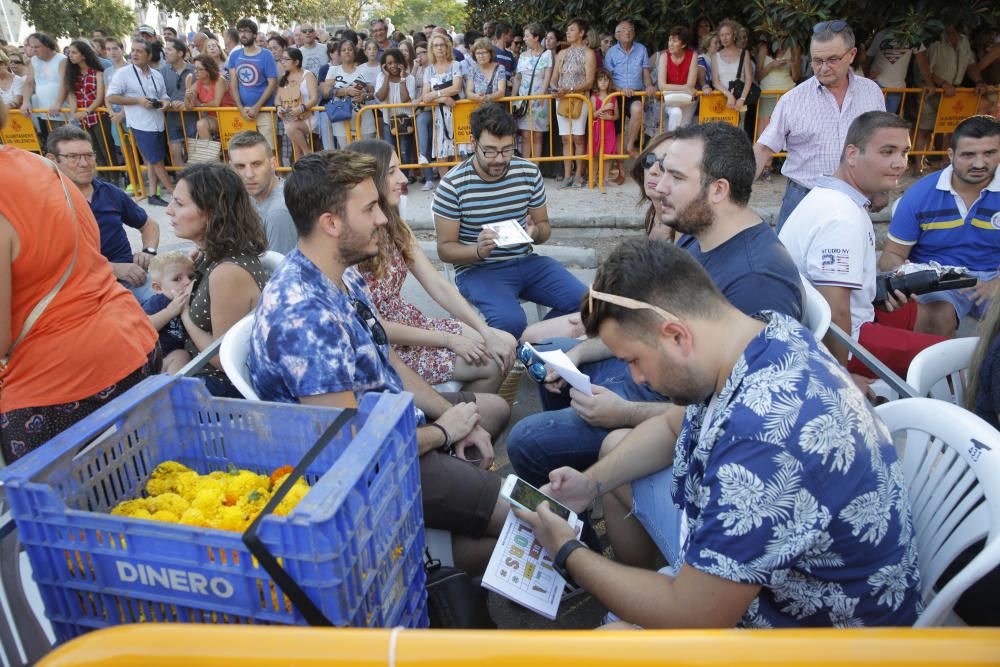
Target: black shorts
(627, 104)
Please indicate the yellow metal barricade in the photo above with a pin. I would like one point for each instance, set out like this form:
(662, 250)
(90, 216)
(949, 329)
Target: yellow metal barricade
(167, 645)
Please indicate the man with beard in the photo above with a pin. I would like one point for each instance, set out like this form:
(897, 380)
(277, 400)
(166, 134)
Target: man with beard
(253, 78)
(494, 186)
(317, 340)
(953, 217)
(705, 188)
(831, 238)
(781, 471)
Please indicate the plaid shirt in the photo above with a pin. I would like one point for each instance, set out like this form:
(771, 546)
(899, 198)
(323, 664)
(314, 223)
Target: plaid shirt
(86, 93)
(808, 124)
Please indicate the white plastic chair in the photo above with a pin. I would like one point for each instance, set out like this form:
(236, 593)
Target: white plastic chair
(951, 464)
(941, 370)
(233, 355)
(271, 260)
(816, 313)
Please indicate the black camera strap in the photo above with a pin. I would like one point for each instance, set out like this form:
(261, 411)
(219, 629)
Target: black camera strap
(135, 70)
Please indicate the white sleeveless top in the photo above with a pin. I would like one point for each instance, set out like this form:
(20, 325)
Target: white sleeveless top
(48, 83)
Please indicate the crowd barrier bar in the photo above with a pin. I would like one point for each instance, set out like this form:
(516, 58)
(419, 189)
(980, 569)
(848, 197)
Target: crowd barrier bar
(163, 645)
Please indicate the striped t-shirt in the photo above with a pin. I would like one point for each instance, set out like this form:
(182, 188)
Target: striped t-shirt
(464, 196)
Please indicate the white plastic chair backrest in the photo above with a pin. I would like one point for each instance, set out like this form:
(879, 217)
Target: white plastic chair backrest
(233, 354)
(951, 466)
(817, 313)
(941, 370)
(270, 260)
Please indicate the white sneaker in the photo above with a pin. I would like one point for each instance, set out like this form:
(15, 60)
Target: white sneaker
(427, 186)
(422, 160)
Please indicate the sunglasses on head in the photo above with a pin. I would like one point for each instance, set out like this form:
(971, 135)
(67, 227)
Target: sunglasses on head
(650, 159)
(631, 304)
(837, 25)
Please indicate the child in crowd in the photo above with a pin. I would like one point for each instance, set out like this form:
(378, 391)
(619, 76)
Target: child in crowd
(605, 115)
(170, 277)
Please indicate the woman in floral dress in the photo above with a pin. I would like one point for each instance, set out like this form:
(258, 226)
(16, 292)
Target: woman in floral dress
(437, 349)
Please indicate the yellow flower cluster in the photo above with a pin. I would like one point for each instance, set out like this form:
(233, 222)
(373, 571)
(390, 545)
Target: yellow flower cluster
(228, 500)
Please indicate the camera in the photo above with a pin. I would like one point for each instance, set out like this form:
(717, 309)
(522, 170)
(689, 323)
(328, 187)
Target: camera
(921, 279)
(157, 104)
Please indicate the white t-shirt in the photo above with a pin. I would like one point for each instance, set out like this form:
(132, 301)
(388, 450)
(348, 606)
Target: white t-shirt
(891, 60)
(832, 242)
(394, 98)
(130, 81)
(314, 57)
(342, 79)
(15, 90)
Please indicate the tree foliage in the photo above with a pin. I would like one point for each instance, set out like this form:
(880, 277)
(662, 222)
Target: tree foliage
(913, 21)
(414, 14)
(59, 18)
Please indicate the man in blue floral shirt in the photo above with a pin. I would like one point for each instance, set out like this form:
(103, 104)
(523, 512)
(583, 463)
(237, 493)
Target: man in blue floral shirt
(317, 340)
(793, 505)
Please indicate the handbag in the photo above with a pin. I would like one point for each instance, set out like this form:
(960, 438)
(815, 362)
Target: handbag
(736, 85)
(519, 109)
(402, 126)
(204, 150)
(339, 109)
(569, 107)
(454, 599)
(446, 84)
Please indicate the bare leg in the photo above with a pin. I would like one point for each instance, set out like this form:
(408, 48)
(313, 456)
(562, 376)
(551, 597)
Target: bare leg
(579, 143)
(567, 145)
(565, 326)
(485, 378)
(630, 541)
(634, 125)
(494, 412)
(176, 153)
(937, 317)
(175, 361)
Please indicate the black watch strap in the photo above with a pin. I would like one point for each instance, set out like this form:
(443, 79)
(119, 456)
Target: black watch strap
(150, 250)
(559, 562)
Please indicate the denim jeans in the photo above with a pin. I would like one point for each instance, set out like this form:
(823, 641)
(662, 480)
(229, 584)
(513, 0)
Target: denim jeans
(794, 193)
(425, 130)
(559, 437)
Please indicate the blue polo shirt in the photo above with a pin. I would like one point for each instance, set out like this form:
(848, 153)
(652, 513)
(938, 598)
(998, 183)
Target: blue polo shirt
(626, 68)
(113, 209)
(933, 219)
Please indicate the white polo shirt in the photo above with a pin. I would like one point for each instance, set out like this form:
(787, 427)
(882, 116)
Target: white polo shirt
(130, 81)
(832, 242)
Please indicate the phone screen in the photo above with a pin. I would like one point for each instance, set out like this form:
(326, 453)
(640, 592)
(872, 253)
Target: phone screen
(531, 498)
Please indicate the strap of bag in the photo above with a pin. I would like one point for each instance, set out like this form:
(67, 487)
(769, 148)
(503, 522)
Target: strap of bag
(531, 82)
(489, 86)
(739, 68)
(40, 307)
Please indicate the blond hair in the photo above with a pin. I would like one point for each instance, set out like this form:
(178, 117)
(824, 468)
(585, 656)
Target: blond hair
(447, 48)
(989, 329)
(158, 265)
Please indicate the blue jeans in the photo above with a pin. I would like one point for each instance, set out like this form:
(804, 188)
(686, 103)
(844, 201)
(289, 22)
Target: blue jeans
(892, 102)
(794, 193)
(425, 130)
(559, 437)
(495, 289)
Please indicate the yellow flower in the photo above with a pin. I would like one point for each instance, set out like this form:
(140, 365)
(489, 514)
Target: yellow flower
(164, 515)
(169, 502)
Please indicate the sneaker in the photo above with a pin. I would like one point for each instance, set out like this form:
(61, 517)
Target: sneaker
(422, 160)
(427, 186)
(157, 200)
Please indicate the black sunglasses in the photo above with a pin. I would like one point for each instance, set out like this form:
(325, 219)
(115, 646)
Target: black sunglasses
(370, 321)
(650, 159)
(837, 25)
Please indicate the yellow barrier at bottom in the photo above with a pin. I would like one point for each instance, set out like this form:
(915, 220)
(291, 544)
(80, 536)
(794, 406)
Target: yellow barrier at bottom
(250, 646)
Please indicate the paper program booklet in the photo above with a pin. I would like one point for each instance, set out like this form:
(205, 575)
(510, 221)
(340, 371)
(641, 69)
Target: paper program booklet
(521, 570)
(509, 233)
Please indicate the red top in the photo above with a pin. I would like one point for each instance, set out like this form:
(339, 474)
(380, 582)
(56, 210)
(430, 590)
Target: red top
(86, 93)
(677, 74)
(207, 93)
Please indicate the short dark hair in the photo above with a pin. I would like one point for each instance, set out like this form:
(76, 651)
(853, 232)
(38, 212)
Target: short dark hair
(502, 29)
(350, 36)
(657, 272)
(208, 62)
(726, 154)
(63, 133)
(146, 46)
(248, 139)
(282, 42)
(395, 53)
(46, 41)
(581, 23)
(333, 46)
(234, 226)
(975, 127)
(682, 33)
(493, 118)
(867, 124)
(178, 45)
(108, 40)
(246, 24)
(234, 34)
(320, 182)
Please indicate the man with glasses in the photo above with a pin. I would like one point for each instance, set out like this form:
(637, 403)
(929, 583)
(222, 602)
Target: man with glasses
(317, 340)
(631, 71)
(253, 78)
(810, 121)
(790, 507)
(72, 151)
(313, 53)
(177, 76)
(494, 186)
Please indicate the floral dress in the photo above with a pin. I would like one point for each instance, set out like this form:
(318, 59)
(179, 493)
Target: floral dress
(444, 141)
(433, 364)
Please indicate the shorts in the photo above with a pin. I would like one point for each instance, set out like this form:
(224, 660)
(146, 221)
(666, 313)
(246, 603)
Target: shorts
(458, 496)
(627, 104)
(892, 340)
(151, 145)
(964, 306)
(181, 124)
(654, 507)
(578, 127)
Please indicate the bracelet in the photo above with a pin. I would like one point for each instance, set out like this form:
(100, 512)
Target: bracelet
(447, 436)
(477, 252)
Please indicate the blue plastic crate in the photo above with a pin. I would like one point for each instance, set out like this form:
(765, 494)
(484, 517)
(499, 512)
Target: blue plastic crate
(354, 543)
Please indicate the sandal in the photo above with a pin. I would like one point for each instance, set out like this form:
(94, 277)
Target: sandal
(568, 183)
(580, 184)
(559, 178)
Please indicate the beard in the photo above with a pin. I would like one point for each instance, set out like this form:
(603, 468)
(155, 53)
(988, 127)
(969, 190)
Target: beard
(694, 218)
(356, 248)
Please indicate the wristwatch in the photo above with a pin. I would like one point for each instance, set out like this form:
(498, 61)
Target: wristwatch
(559, 562)
(150, 251)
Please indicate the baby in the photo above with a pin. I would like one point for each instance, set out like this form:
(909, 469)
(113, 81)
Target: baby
(170, 276)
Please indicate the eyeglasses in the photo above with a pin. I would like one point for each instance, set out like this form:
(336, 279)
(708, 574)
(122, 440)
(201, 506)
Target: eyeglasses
(631, 304)
(371, 322)
(493, 152)
(837, 25)
(77, 157)
(650, 159)
(308, 30)
(833, 61)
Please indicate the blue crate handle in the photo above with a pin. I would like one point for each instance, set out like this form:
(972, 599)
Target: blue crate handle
(295, 594)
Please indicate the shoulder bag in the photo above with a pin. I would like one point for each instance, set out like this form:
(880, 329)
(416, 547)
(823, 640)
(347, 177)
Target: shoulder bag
(520, 108)
(736, 85)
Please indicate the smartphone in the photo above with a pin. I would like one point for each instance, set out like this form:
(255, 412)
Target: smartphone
(521, 494)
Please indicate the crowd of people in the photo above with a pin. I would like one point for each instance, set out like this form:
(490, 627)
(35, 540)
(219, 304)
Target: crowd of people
(714, 420)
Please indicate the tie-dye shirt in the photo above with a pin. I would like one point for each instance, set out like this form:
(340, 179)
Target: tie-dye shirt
(308, 338)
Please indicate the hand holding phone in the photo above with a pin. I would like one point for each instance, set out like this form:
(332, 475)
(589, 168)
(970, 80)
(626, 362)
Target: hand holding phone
(521, 494)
